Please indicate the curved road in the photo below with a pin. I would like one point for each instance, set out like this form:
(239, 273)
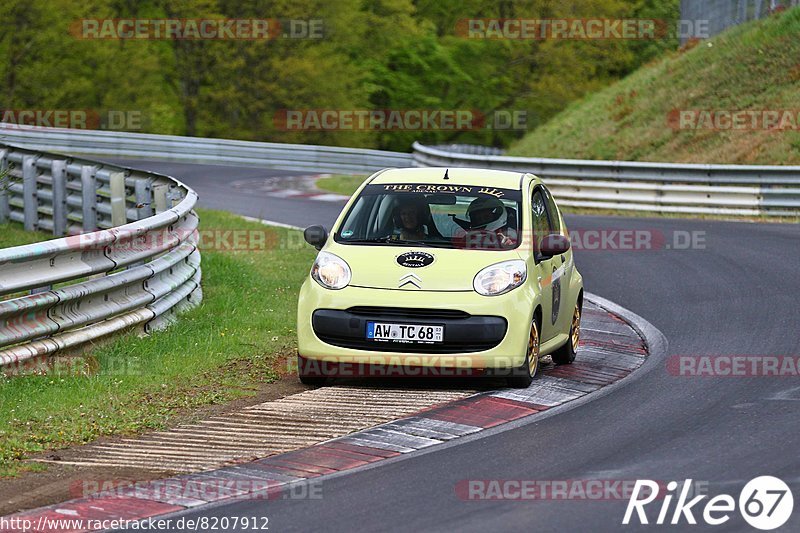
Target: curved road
(734, 294)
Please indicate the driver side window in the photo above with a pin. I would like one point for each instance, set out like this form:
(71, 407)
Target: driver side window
(540, 226)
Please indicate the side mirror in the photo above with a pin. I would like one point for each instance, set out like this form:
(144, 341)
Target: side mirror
(554, 244)
(316, 236)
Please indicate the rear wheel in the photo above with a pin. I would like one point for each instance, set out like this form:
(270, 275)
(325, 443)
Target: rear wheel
(524, 375)
(566, 354)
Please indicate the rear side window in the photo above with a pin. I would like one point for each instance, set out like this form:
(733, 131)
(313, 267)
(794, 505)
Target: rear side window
(555, 220)
(541, 222)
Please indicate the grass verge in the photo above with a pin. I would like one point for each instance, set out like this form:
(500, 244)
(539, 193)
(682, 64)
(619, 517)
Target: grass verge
(238, 338)
(340, 184)
(12, 234)
(752, 67)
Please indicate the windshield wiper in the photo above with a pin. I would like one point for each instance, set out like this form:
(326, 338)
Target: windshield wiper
(376, 240)
(389, 240)
(421, 243)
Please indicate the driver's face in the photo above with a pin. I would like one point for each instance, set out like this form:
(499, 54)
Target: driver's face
(408, 215)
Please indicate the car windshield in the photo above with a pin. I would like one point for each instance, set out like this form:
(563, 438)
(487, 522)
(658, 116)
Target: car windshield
(433, 215)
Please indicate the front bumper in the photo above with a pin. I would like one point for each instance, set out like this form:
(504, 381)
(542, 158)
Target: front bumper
(463, 333)
(480, 332)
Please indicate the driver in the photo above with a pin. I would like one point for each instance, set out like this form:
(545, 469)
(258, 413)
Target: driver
(487, 213)
(411, 214)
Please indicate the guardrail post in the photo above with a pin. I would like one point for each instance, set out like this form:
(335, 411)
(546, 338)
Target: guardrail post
(89, 194)
(160, 197)
(174, 196)
(30, 201)
(119, 215)
(59, 173)
(5, 183)
(144, 198)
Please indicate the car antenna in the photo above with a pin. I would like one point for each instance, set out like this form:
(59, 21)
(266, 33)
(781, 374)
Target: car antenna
(445, 173)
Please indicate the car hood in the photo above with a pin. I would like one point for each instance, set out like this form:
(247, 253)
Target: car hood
(376, 266)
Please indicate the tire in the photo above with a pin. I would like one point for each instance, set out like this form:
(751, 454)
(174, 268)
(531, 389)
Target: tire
(523, 376)
(307, 377)
(317, 381)
(566, 354)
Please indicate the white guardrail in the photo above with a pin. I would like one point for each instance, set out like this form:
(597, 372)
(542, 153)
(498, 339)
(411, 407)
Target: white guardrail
(632, 186)
(747, 190)
(204, 151)
(130, 257)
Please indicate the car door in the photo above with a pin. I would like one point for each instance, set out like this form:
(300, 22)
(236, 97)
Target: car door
(543, 267)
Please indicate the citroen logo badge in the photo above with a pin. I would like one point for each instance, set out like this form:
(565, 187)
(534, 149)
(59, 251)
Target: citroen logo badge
(410, 279)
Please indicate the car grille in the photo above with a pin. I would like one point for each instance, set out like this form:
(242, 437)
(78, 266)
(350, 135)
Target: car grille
(363, 344)
(464, 333)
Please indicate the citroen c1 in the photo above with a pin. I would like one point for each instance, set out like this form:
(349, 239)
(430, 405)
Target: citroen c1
(434, 268)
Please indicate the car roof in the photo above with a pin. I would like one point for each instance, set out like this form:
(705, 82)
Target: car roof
(456, 176)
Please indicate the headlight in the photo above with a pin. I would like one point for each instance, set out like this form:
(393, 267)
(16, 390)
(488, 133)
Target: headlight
(500, 278)
(331, 271)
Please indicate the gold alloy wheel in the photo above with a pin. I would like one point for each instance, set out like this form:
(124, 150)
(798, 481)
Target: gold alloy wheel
(533, 349)
(576, 328)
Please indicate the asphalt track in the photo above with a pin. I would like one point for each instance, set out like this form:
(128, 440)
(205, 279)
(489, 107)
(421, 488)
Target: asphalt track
(734, 294)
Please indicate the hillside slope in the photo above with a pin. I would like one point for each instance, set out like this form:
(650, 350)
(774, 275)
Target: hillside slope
(754, 67)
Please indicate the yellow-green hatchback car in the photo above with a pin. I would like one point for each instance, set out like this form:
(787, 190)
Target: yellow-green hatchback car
(441, 272)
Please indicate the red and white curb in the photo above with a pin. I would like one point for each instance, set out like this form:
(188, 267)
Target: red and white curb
(610, 350)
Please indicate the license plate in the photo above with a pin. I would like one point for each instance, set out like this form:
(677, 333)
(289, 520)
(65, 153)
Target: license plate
(409, 333)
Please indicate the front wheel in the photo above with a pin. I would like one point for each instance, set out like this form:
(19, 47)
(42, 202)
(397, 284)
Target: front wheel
(566, 354)
(309, 374)
(523, 376)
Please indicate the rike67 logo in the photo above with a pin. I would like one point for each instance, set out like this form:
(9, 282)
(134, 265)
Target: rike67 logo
(765, 503)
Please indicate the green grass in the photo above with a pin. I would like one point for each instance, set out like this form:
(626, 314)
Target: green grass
(341, 184)
(218, 352)
(755, 66)
(12, 234)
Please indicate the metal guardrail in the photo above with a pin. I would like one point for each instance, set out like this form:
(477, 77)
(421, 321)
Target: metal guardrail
(747, 190)
(722, 14)
(130, 259)
(657, 187)
(207, 151)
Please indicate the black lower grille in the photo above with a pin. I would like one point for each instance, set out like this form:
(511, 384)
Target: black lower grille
(463, 333)
(364, 344)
